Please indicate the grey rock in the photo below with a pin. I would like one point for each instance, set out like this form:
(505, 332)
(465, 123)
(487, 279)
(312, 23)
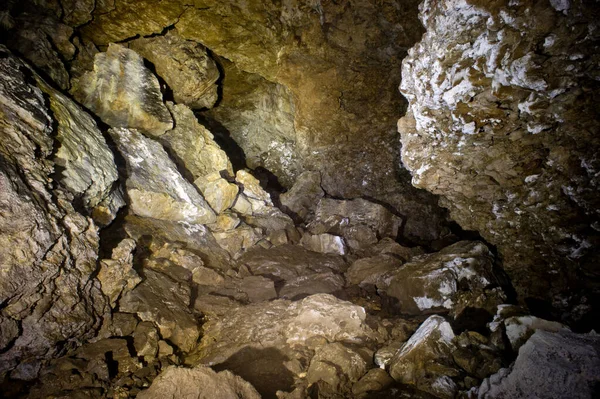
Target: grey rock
(324, 243)
(317, 283)
(200, 382)
(549, 365)
(369, 271)
(302, 198)
(375, 380)
(185, 67)
(337, 366)
(154, 186)
(116, 275)
(123, 92)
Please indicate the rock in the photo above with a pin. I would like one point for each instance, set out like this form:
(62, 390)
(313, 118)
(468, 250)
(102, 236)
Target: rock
(116, 275)
(287, 262)
(123, 92)
(185, 67)
(117, 324)
(504, 136)
(145, 340)
(239, 240)
(301, 200)
(44, 41)
(476, 355)
(387, 246)
(252, 189)
(259, 115)
(337, 366)
(84, 57)
(549, 365)
(226, 221)
(369, 271)
(212, 306)
(194, 237)
(48, 250)
(114, 350)
(432, 283)
(258, 289)
(425, 360)
(375, 380)
(194, 146)
(282, 325)
(219, 193)
(200, 382)
(77, 12)
(154, 186)
(324, 243)
(86, 164)
(359, 221)
(106, 211)
(161, 300)
(384, 355)
(318, 283)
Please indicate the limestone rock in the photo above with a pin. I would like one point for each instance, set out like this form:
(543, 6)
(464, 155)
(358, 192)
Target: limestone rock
(96, 354)
(200, 382)
(503, 131)
(324, 243)
(48, 250)
(301, 200)
(431, 283)
(369, 271)
(287, 262)
(161, 300)
(185, 67)
(549, 365)
(145, 340)
(362, 223)
(375, 380)
(475, 355)
(237, 241)
(218, 192)
(116, 275)
(123, 92)
(87, 164)
(77, 12)
(154, 186)
(84, 57)
(193, 145)
(337, 366)
(425, 361)
(318, 283)
(259, 115)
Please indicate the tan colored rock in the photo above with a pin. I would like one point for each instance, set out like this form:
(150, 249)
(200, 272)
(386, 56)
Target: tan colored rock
(238, 240)
(324, 243)
(431, 283)
(503, 131)
(218, 192)
(160, 300)
(374, 381)
(337, 366)
(205, 276)
(200, 382)
(116, 275)
(145, 340)
(302, 198)
(193, 145)
(226, 221)
(123, 92)
(185, 67)
(425, 361)
(154, 186)
(317, 283)
(369, 271)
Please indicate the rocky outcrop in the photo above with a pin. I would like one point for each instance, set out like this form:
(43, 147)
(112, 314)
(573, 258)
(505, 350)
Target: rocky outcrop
(549, 365)
(503, 130)
(48, 249)
(200, 382)
(154, 186)
(123, 92)
(184, 65)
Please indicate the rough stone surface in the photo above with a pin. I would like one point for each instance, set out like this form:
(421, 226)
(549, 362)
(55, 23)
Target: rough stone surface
(185, 67)
(433, 283)
(161, 300)
(116, 275)
(504, 130)
(48, 251)
(337, 366)
(375, 380)
(123, 92)
(83, 159)
(369, 271)
(424, 361)
(154, 186)
(317, 283)
(301, 200)
(200, 382)
(549, 365)
(324, 243)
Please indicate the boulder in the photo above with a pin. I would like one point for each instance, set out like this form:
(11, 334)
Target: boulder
(433, 283)
(301, 200)
(116, 275)
(154, 186)
(324, 243)
(337, 366)
(200, 382)
(123, 92)
(160, 300)
(184, 65)
(375, 380)
(425, 360)
(550, 365)
(369, 271)
(317, 283)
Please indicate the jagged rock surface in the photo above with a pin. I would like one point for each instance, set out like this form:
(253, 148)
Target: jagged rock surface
(505, 130)
(185, 67)
(48, 250)
(123, 92)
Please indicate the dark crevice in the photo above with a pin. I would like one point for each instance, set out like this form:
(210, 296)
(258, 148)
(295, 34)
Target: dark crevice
(223, 138)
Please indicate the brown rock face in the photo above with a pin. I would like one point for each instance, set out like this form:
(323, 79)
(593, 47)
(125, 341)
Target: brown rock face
(505, 129)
